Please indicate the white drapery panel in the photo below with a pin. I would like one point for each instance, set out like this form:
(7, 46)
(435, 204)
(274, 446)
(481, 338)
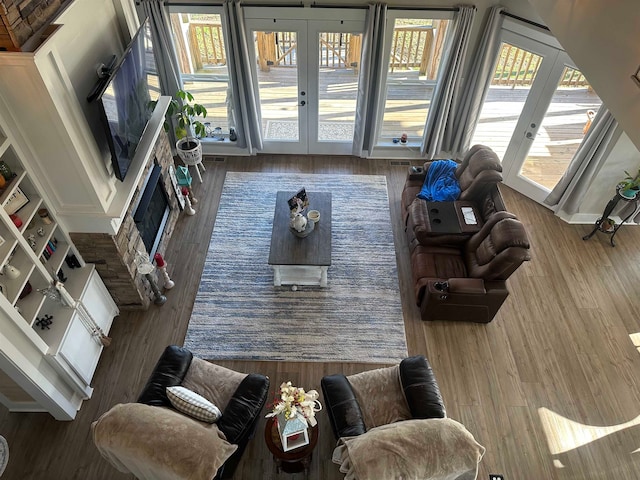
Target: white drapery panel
(462, 124)
(243, 96)
(443, 103)
(573, 185)
(369, 84)
(164, 51)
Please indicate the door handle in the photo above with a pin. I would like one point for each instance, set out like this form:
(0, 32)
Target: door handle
(529, 135)
(302, 103)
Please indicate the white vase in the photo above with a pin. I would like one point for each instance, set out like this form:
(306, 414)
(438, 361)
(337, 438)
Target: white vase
(10, 271)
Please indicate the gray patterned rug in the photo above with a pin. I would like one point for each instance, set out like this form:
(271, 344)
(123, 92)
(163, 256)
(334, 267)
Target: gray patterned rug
(239, 314)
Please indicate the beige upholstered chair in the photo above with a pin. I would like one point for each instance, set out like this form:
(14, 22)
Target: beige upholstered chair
(154, 441)
(391, 423)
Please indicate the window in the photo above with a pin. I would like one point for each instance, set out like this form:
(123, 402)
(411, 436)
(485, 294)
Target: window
(200, 44)
(414, 51)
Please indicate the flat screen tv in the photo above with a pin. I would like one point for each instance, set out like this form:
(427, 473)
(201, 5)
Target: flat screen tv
(123, 97)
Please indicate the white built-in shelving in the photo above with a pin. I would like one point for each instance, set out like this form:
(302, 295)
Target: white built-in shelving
(36, 248)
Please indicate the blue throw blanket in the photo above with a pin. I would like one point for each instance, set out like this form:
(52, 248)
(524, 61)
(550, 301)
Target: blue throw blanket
(440, 184)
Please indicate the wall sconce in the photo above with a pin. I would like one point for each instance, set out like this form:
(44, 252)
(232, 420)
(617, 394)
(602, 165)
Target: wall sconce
(636, 77)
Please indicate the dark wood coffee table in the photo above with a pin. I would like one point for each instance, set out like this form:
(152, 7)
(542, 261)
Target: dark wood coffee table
(295, 260)
(293, 461)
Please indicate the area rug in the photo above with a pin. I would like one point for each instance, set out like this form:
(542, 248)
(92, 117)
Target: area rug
(239, 314)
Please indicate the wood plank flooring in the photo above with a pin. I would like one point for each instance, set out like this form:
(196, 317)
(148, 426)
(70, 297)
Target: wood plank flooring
(551, 387)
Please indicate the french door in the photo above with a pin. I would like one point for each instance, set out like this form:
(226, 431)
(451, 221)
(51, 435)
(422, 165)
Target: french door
(537, 111)
(306, 75)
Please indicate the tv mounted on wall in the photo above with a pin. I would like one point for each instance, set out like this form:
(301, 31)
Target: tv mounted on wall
(123, 97)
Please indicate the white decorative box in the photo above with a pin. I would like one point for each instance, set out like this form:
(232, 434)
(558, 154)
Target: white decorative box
(293, 432)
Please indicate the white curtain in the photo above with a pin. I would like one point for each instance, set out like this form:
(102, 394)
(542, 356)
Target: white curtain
(572, 187)
(444, 101)
(369, 83)
(164, 50)
(243, 98)
(462, 123)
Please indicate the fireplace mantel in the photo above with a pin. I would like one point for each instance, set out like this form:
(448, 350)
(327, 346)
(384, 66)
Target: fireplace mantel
(111, 221)
(113, 254)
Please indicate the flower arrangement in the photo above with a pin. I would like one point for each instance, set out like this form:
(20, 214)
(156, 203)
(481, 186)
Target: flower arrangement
(294, 401)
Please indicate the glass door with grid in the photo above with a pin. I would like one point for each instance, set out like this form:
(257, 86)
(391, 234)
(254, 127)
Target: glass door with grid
(536, 112)
(306, 73)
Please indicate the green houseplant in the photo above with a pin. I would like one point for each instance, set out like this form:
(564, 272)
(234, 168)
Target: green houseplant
(183, 113)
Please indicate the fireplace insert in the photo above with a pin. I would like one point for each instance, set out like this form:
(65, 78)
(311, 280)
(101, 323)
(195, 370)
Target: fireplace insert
(153, 210)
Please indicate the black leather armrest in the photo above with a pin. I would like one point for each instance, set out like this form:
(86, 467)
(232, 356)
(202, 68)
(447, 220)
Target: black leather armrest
(342, 407)
(238, 420)
(168, 372)
(420, 388)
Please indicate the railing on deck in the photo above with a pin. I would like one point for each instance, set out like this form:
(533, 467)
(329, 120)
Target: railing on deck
(337, 50)
(206, 44)
(413, 47)
(517, 67)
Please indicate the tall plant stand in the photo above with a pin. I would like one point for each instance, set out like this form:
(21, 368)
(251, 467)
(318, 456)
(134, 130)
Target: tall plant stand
(604, 225)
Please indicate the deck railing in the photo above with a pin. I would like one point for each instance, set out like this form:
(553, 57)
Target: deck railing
(517, 67)
(206, 44)
(337, 50)
(413, 47)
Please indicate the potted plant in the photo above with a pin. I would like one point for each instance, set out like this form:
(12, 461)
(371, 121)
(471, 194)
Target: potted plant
(188, 128)
(629, 187)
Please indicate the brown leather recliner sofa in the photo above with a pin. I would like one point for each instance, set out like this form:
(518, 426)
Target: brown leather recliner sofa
(462, 276)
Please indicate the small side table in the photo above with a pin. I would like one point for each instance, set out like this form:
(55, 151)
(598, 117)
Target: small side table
(293, 461)
(599, 227)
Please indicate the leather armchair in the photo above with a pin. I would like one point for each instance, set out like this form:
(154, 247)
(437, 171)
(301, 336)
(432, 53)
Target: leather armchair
(468, 283)
(245, 396)
(352, 411)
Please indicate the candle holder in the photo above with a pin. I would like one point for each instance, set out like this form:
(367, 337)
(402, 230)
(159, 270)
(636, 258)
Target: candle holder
(188, 209)
(162, 266)
(145, 268)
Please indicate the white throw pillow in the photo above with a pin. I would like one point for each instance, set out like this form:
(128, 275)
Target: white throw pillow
(192, 404)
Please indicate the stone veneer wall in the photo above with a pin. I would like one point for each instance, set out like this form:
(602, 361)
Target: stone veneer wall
(21, 19)
(114, 256)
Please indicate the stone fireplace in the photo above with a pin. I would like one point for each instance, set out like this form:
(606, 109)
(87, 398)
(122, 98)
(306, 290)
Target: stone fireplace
(20, 20)
(147, 226)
